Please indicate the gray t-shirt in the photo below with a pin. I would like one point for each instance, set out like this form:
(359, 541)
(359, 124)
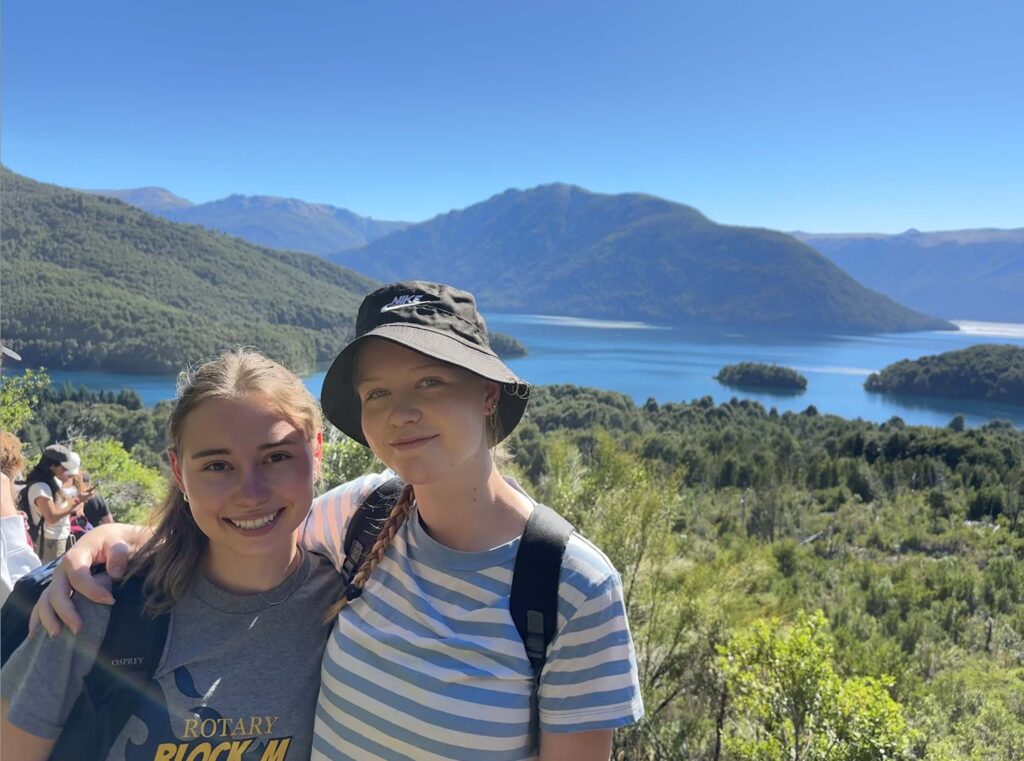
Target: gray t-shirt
(240, 673)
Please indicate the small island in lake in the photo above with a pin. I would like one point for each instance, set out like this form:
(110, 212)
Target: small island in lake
(989, 372)
(759, 375)
(506, 347)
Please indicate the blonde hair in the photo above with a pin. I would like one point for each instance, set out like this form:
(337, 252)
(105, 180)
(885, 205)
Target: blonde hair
(394, 522)
(12, 461)
(171, 558)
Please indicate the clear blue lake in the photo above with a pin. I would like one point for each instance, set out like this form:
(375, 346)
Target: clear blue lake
(678, 364)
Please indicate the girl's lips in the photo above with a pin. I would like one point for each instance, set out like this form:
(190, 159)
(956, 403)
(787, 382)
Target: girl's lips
(412, 442)
(255, 523)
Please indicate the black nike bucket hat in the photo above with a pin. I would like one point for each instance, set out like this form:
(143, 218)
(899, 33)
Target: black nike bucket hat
(436, 320)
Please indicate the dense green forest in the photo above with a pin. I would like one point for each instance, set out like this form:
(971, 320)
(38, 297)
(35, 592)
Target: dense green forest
(800, 586)
(760, 375)
(91, 283)
(991, 372)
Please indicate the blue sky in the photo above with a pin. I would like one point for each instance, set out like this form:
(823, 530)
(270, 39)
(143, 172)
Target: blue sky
(819, 116)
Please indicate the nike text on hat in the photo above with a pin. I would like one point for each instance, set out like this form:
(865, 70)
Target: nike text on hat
(436, 320)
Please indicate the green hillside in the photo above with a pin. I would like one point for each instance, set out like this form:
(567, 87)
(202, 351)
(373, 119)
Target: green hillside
(91, 283)
(990, 372)
(559, 249)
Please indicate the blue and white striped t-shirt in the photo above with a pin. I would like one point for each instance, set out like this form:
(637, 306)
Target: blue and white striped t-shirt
(427, 663)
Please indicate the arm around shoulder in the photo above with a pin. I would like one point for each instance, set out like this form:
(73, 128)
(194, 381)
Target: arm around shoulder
(329, 517)
(111, 544)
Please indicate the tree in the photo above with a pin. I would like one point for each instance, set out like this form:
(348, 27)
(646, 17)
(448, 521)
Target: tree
(789, 704)
(345, 459)
(19, 396)
(131, 489)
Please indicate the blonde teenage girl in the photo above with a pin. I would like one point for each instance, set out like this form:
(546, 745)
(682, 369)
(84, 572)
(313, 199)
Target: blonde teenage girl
(239, 672)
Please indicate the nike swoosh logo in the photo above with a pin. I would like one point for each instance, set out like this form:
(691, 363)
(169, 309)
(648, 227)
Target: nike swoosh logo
(393, 307)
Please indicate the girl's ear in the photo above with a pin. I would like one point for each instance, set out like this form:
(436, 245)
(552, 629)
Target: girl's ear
(172, 455)
(492, 394)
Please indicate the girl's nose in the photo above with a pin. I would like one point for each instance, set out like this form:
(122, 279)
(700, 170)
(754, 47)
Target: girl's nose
(403, 413)
(253, 489)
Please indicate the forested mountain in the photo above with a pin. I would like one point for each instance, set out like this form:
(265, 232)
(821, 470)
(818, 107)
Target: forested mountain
(991, 372)
(285, 223)
(560, 249)
(961, 274)
(90, 282)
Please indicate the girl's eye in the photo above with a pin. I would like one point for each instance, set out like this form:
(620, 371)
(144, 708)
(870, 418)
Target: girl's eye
(432, 381)
(216, 467)
(374, 393)
(279, 457)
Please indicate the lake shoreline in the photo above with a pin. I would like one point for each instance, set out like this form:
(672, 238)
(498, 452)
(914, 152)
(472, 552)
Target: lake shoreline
(678, 364)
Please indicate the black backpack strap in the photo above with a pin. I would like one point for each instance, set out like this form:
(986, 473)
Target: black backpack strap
(365, 527)
(534, 598)
(127, 659)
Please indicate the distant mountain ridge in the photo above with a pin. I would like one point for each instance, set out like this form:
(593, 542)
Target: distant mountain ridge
(159, 201)
(285, 223)
(560, 249)
(958, 274)
(92, 283)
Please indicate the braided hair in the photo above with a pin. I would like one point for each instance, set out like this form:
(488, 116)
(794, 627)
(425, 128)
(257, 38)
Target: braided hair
(398, 515)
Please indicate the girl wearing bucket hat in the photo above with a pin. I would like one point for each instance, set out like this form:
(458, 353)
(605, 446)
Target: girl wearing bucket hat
(424, 661)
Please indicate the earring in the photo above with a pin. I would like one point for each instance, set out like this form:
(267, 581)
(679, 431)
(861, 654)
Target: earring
(184, 496)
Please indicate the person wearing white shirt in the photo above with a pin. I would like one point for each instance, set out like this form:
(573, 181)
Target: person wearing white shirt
(16, 554)
(45, 502)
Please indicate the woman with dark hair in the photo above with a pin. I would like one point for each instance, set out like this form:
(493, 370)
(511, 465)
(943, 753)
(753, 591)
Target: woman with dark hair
(43, 500)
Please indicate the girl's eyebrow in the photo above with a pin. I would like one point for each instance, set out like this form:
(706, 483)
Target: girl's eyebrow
(433, 364)
(286, 441)
(209, 452)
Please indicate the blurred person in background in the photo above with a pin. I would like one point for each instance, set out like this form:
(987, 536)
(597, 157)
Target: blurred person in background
(43, 499)
(17, 557)
(96, 510)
